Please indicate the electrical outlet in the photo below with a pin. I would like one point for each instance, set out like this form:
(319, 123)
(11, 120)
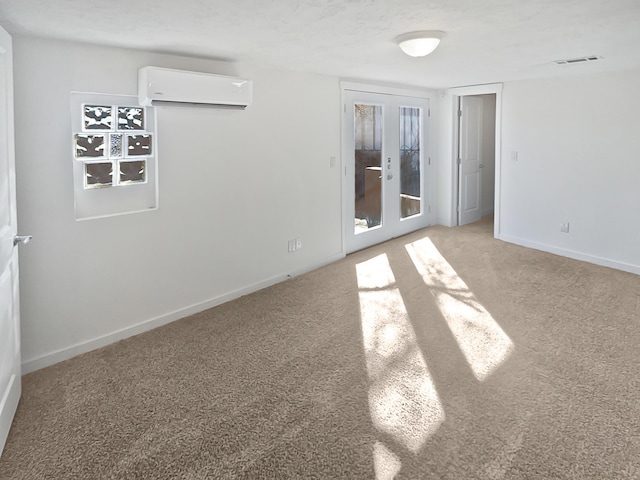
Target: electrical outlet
(564, 227)
(298, 244)
(292, 246)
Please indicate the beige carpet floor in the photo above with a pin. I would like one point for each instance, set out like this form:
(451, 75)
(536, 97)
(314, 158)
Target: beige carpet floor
(444, 354)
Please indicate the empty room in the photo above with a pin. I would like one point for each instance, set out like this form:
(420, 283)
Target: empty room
(320, 239)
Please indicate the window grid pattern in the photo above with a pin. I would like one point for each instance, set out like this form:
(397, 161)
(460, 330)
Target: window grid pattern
(113, 145)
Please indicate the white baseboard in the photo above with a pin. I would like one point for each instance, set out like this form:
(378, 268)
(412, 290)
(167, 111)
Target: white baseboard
(104, 340)
(605, 262)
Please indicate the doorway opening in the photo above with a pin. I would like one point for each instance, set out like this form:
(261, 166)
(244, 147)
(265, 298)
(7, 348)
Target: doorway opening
(476, 162)
(476, 157)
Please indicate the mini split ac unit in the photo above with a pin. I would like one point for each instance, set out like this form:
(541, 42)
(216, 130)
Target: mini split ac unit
(163, 86)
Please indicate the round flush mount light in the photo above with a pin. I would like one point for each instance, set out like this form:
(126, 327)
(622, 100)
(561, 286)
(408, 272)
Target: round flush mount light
(419, 44)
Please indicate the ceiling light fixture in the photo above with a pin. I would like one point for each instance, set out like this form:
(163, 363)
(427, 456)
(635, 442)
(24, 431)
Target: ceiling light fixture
(419, 44)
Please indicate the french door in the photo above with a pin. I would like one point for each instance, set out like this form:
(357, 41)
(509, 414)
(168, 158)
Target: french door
(384, 152)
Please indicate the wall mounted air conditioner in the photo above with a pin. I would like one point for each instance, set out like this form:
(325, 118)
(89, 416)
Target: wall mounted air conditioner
(164, 86)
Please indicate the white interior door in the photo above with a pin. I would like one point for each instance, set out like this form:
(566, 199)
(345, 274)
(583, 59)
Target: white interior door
(469, 160)
(10, 385)
(384, 149)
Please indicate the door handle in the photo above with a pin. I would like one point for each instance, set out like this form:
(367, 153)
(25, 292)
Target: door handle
(21, 239)
(481, 165)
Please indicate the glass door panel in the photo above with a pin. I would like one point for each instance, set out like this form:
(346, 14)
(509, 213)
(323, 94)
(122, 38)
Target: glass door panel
(410, 175)
(368, 126)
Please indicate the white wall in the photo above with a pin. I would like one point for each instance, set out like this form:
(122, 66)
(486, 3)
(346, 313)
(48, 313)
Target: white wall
(234, 187)
(577, 140)
(445, 192)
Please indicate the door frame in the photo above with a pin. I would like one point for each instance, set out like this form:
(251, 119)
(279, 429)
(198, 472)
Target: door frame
(456, 93)
(366, 88)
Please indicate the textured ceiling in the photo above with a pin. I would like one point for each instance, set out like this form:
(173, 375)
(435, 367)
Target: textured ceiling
(486, 40)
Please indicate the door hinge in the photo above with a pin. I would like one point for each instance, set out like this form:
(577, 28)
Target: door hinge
(459, 161)
(459, 113)
(429, 112)
(429, 161)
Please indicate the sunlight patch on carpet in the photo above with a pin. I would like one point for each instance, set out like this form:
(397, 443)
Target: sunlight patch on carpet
(386, 464)
(403, 401)
(484, 344)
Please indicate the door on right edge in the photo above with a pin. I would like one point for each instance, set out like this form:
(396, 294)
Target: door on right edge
(10, 382)
(469, 163)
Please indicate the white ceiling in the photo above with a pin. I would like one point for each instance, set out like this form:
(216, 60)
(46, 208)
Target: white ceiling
(486, 40)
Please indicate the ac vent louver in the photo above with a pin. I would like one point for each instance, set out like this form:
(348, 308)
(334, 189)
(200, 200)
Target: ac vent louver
(569, 61)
